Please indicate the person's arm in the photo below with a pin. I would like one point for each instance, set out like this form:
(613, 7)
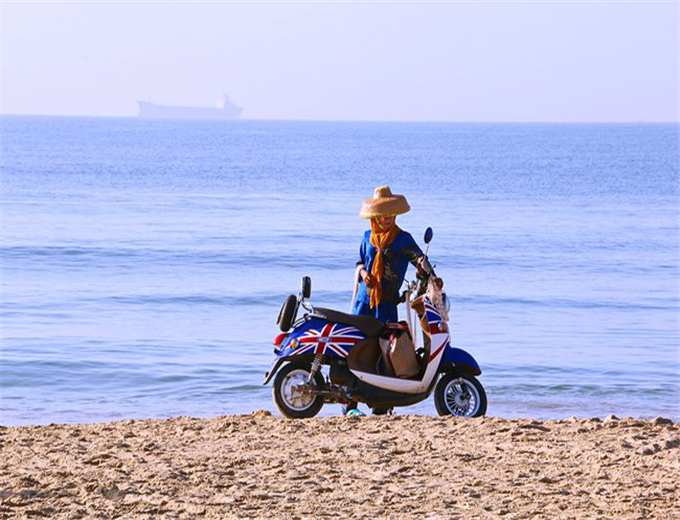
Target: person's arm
(357, 277)
(362, 272)
(423, 267)
(416, 257)
(362, 253)
(367, 277)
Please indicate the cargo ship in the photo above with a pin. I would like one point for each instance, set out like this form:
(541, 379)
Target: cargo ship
(224, 110)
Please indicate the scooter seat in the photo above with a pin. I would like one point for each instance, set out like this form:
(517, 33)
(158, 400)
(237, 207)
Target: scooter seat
(369, 325)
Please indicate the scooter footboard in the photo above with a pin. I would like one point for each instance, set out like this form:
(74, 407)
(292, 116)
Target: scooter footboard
(460, 359)
(374, 396)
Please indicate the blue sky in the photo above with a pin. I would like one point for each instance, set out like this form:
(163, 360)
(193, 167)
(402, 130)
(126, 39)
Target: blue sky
(506, 61)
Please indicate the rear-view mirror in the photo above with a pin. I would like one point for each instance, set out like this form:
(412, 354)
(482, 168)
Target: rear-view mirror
(428, 235)
(306, 287)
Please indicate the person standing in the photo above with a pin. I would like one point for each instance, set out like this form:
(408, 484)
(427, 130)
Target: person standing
(384, 255)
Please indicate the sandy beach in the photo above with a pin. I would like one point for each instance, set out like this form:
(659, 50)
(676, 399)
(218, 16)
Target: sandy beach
(260, 466)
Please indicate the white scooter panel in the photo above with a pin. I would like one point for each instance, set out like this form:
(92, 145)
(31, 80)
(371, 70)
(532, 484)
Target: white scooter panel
(438, 332)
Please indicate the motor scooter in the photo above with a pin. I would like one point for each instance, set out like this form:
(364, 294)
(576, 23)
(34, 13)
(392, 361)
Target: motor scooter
(349, 345)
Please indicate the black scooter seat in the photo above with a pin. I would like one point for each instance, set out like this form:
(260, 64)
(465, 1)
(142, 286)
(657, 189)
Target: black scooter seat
(369, 325)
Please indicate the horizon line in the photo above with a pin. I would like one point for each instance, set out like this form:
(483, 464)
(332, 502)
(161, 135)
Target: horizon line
(384, 121)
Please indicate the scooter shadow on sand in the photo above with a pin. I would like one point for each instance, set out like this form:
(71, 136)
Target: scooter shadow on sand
(371, 362)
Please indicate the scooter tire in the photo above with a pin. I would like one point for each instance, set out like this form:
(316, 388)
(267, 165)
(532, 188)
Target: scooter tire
(284, 405)
(447, 404)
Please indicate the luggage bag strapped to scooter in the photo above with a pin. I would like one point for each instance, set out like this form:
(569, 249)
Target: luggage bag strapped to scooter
(398, 351)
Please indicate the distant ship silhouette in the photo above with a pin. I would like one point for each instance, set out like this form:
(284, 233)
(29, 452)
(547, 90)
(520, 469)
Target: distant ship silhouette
(224, 110)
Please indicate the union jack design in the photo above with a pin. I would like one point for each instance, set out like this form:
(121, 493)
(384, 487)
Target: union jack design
(437, 326)
(333, 336)
(432, 312)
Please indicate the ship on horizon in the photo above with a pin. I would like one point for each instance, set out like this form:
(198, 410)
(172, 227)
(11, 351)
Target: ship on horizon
(224, 110)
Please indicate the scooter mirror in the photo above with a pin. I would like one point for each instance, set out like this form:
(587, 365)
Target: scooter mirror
(428, 235)
(306, 287)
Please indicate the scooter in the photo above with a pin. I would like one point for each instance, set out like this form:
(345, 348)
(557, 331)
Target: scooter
(358, 372)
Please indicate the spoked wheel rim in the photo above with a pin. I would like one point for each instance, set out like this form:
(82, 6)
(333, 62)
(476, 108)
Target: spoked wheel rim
(461, 398)
(291, 391)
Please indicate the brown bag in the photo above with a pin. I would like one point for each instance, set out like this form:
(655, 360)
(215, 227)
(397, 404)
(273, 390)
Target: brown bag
(400, 355)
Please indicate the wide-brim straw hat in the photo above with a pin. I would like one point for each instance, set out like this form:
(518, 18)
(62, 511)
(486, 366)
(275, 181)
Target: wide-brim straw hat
(384, 204)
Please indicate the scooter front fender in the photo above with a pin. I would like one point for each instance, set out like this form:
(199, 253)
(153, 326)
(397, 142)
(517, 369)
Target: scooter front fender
(460, 359)
(273, 370)
(279, 361)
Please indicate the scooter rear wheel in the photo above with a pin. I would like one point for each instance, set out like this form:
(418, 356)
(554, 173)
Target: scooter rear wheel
(292, 402)
(461, 395)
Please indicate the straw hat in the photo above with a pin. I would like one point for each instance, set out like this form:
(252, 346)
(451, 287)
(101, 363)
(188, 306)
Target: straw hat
(384, 204)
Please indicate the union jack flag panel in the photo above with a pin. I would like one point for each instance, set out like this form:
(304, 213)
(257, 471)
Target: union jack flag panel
(329, 339)
(437, 325)
(432, 312)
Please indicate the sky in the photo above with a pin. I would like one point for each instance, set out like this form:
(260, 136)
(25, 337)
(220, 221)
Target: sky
(417, 61)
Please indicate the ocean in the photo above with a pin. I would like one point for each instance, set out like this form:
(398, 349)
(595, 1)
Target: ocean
(144, 262)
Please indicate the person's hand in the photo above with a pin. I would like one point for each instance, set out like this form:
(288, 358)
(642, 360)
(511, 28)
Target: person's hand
(421, 273)
(368, 278)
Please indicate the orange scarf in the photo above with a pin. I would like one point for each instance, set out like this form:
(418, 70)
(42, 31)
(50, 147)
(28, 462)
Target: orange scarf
(380, 240)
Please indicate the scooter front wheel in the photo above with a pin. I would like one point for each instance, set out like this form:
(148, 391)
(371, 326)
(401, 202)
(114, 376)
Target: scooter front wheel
(461, 395)
(292, 395)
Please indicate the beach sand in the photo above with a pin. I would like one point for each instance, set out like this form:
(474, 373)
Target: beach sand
(402, 467)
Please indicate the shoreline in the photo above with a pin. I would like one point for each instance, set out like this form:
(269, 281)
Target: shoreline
(261, 466)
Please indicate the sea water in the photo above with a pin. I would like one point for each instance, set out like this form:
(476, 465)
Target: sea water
(144, 262)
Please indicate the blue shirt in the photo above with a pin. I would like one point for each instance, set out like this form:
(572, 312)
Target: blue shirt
(397, 256)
